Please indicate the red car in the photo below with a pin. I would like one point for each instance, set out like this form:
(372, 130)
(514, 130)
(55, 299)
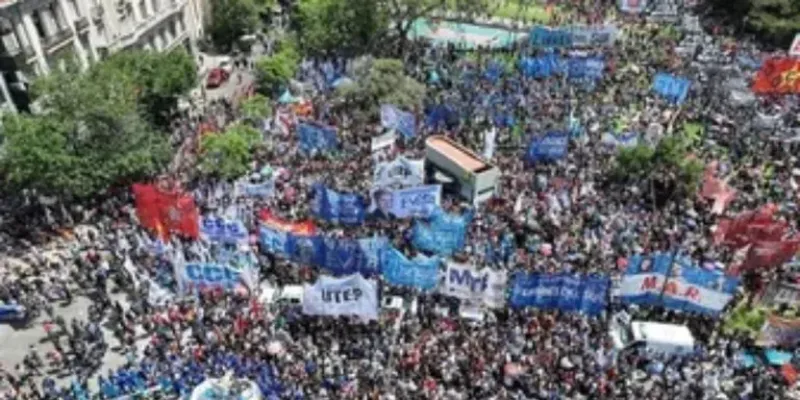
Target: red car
(216, 78)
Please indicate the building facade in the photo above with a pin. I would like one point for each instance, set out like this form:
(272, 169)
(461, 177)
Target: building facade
(37, 36)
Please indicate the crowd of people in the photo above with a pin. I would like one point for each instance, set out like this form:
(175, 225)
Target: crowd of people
(569, 207)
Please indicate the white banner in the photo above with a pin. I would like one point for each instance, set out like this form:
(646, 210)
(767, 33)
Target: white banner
(464, 282)
(350, 295)
(489, 138)
(383, 141)
(794, 50)
(399, 173)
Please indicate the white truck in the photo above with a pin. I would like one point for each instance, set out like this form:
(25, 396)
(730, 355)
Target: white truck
(668, 339)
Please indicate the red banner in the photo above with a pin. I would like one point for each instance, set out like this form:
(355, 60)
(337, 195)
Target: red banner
(778, 75)
(166, 212)
(764, 254)
(271, 221)
(750, 226)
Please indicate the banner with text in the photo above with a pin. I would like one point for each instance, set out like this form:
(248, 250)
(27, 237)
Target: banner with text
(675, 282)
(399, 173)
(335, 207)
(421, 272)
(485, 286)
(216, 229)
(419, 201)
(569, 293)
(351, 295)
(443, 234)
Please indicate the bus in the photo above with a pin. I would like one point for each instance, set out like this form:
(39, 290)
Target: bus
(459, 170)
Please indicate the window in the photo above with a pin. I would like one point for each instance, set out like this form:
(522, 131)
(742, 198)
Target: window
(75, 9)
(57, 16)
(142, 9)
(156, 5)
(38, 24)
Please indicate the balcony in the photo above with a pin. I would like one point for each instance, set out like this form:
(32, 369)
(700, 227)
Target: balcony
(81, 24)
(58, 40)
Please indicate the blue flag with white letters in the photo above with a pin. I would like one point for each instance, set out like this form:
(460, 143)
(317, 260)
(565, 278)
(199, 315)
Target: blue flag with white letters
(399, 120)
(332, 206)
(671, 87)
(443, 235)
(550, 147)
(316, 138)
(421, 272)
(568, 293)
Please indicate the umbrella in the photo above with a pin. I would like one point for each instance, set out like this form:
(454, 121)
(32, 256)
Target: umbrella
(287, 98)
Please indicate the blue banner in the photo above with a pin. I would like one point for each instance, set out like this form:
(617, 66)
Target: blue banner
(217, 229)
(344, 208)
(418, 201)
(443, 235)
(399, 120)
(542, 67)
(620, 140)
(585, 67)
(263, 189)
(672, 88)
(350, 256)
(421, 273)
(563, 292)
(320, 138)
(273, 240)
(441, 115)
(677, 282)
(305, 249)
(193, 276)
(573, 36)
(550, 147)
(340, 256)
(541, 36)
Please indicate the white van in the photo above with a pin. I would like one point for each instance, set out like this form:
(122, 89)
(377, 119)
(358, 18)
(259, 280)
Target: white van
(287, 295)
(667, 339)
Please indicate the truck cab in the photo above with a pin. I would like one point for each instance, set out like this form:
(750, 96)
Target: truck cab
(668, 339)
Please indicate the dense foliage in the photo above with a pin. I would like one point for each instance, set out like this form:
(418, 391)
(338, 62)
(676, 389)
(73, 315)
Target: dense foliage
(98, 128)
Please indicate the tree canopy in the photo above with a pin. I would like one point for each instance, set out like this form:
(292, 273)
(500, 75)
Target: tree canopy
(256, 107)
(227, 155)
(776, 21)
(90, 136)
(234, 19)
(355, 27)
(274, 72)
(380, 81)
(160, 78)
(669, 165)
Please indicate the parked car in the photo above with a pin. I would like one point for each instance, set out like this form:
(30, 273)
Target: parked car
(216, 78)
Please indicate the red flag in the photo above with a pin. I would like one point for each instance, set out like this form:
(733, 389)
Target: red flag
(749, 227)
(166, 212)
(147, 205)
(765, 254)
(716, 189)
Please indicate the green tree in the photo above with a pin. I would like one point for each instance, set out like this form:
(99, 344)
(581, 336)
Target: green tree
(233, 19)
(670, 166)
(160, 78)
(273, 73)
(354, 27)
(345, 27)
(256, 107)
(776, 21)
(227, 155)
(90, 136)
(380, 81)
